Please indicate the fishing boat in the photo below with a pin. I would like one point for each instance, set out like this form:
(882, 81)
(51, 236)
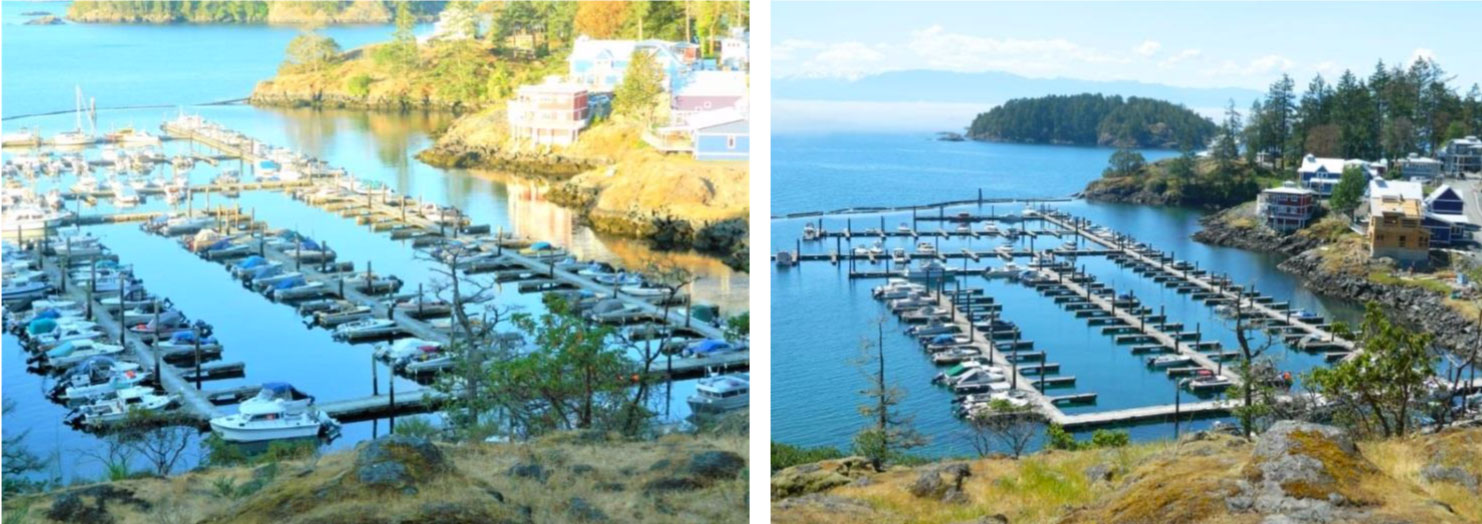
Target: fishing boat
(117, 405)
(977, 379)
(543, 251)
(278, 412)
(955, 354)
(166, 323)
(73, 352)
(252, 264)
(366, 329)
(897, 288)
(644, 291)
(134, 296)
(721, 393)
(709, 346)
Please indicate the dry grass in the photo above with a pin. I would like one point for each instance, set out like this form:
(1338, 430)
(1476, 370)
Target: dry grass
(327, 492)
(1403, 460)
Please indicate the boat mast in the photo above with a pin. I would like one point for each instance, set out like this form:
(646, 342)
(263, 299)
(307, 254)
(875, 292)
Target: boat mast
(77, 111)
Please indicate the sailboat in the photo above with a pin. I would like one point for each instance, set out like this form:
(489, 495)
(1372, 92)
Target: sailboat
(76, 137)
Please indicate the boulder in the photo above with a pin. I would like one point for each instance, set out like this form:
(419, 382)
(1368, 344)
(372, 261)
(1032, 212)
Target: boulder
(398, 462)
(818, 476)
(716, 465)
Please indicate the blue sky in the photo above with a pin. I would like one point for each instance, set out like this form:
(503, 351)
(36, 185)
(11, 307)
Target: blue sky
(1191, 45)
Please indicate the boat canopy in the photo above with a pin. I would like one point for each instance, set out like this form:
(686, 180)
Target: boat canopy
(186, 337)
(220, 244)
(289, 283)
(710, 345)
(252, 261)
(63, 350)
(51, 313)
(541, 246)
(310, 244)
(942, 339)
(41, 325)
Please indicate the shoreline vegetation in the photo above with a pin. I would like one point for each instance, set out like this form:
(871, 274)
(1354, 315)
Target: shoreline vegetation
(355, 12)
(618, 183)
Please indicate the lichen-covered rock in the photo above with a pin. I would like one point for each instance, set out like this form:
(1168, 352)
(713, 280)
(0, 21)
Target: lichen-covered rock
(819, 476)
(940, 481)
(398, 462)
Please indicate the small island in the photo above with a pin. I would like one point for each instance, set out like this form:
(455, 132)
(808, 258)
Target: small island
(44, 20)
(1094, 120)
(950, 136)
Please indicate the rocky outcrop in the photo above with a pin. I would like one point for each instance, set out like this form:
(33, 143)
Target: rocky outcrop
(1239, 227)
(1417, 307)
(44, 20)
(399, 463)
(816, 477)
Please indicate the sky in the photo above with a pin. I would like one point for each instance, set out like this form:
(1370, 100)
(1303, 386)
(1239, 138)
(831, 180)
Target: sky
(1244, 45)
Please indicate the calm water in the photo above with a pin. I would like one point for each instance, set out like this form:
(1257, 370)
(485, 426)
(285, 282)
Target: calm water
(170, 66)
(819, 315)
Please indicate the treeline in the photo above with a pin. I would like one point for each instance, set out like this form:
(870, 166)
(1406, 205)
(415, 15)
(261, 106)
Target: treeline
(1393, 112)
(242, 11)
(1094, 119)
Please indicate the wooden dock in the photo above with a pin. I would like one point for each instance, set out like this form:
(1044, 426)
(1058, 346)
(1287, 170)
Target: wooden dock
(1150, 413)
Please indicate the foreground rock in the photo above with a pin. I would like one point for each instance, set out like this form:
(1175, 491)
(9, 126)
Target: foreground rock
(1294, 473)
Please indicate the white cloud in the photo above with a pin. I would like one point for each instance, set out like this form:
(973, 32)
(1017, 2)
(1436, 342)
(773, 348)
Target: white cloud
(1181, 56)
(1422, 53)
(1327, 67)
(1148, 48)
(1259, 67)
(939, 49)
(788, 49)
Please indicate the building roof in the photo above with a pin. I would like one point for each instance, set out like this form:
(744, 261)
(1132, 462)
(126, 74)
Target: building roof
(1311, 164)
(1396, 189)
(1441, 191)
(738, 127)
(1290, 190)
(591, 49)
(714, 83)
(553, 85)
(709, 119)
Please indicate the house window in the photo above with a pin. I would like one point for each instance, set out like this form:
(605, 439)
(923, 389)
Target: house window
(731, 142)
(1402, 240)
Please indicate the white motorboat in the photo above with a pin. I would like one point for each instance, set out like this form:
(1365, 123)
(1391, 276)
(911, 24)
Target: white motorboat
(1165, 361)
(903, 228)
(366, 328)
(118, 405)
(720, 393)
(187, 340)
(24, 288)
(29, 218)
(1008, 270)
(405, 348)
(644, 291)
(278, 412)
(810, 232)
(124, 194)
(98, 376)
(21, 138)
(926, 249)
(1205, 381)
(341, 312)
(73, 352)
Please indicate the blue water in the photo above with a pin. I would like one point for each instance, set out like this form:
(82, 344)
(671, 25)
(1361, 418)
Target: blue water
(179, 66)
(819, 315)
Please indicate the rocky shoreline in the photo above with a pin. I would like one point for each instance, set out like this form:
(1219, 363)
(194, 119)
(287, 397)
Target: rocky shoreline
(266, 95)
(547, 166)
(1416, 307)
(726, 239)
(1226, 229)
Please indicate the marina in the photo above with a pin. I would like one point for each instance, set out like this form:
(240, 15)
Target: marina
(414, 223)
(1086, 272)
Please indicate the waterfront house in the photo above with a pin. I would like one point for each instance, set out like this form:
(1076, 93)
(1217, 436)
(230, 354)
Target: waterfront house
(703, 91)
(721, 135)
(1320, 174)
(1395, 222)
(599, 64)
(1445, 217)
(549, 114)
(1416, 167)
(1286, 208)
(1461, 155)
(734, 50)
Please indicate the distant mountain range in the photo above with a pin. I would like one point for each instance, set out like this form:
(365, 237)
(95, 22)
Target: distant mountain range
(991, 88)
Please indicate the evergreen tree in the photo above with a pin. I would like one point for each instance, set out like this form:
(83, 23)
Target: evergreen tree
(1349, 191)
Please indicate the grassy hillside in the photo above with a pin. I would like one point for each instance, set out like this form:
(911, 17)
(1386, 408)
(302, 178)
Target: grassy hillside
(571, 477)
(1303, 473)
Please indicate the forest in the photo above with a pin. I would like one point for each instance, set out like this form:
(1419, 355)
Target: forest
(243, 11)
(1094, 119)
(1392, 113)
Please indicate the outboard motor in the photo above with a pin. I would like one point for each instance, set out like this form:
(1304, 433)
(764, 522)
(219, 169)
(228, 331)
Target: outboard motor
(203, 328)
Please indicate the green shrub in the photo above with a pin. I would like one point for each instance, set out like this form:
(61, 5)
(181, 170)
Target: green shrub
(1057, 438)
(786, 455)
(359, 85)
(416, 427)
(1109, 439)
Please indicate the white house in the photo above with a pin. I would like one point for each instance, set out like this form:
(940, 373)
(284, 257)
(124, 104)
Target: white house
(1320, 174)
(1416, 167)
